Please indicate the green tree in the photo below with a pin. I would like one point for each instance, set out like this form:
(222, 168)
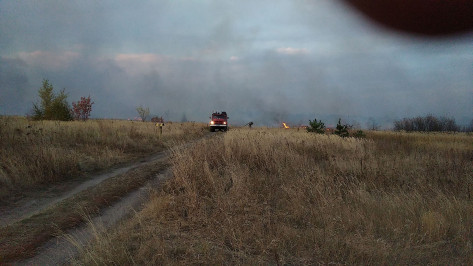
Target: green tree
(60, 109)
(341, 130)
(317, 127)
(52, 106)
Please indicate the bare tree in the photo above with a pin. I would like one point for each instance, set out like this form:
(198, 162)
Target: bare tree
(427, 123)
(372, 124)
(143, 112)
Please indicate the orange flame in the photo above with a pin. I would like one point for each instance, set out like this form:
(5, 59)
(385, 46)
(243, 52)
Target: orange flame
(285, 126)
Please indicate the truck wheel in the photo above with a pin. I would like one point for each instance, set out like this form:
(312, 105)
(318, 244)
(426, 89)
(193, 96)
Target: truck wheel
(212, 129)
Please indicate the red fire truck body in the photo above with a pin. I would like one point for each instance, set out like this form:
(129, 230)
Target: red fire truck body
(218, 121)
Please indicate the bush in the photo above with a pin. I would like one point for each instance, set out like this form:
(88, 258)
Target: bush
(341, 130)
(157, 119)
(52, 106)
(82, 108)
(317, 127)
(359, 134)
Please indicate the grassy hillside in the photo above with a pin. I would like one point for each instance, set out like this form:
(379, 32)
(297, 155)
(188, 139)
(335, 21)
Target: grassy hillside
(286, 196)
(36, 153)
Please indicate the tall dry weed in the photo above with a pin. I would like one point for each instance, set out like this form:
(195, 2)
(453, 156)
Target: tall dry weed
(273, 196)
(34, 153)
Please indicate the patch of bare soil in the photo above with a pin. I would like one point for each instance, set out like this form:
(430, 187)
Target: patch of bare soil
(40, 200)
(60, 250)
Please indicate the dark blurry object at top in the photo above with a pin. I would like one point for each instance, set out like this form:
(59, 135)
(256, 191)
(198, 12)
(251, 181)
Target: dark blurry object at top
(424, 17)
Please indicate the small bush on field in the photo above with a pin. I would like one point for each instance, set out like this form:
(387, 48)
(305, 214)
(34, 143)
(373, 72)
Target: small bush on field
(341, 130)
(317, 127)
(285, 197)
(82, 108)
(157, 119)
(359, 134)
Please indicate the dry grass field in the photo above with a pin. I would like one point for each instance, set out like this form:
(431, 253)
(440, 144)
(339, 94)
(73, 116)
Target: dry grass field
(35, 153)
(274, 196)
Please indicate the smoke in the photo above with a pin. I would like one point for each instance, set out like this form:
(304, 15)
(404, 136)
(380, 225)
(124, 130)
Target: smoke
(265, 61)
(14, 84)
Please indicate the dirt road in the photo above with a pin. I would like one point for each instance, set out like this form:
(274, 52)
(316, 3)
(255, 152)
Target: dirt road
(55, 193)
(60, 249)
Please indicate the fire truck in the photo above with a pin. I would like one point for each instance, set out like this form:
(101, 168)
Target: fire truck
(218, 121)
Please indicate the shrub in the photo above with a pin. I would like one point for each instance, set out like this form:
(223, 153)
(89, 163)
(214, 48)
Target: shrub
(341, 130)
(359, 134)
(157, 119)
(317, 127)
(82, 108)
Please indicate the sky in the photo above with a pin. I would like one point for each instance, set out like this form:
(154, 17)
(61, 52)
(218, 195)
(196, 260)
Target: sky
(265, 61)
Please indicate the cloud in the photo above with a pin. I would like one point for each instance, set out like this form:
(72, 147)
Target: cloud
(292, 51)
(51, 60)
(139, 64)
(14, 85)
(299, 57)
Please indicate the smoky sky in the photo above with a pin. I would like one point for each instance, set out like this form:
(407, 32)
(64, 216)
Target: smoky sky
(262, 61)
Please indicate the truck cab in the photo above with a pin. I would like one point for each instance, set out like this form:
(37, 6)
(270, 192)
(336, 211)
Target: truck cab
(218, 121)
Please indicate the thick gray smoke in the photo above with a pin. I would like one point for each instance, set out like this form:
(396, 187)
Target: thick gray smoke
(266, 62)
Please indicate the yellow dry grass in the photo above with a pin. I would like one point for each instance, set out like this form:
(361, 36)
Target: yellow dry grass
(272, 196)
(35, 153)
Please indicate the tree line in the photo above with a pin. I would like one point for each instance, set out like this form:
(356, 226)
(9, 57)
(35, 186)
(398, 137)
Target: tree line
(428, 123)
(54, 106)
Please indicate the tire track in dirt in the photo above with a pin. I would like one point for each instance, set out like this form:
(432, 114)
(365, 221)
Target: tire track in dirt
(59, 192)
(59, 250)
(30, 207)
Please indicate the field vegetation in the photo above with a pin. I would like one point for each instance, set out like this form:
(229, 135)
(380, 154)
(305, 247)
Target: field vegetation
(428, 123)
(274, 196)
(35, 153)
